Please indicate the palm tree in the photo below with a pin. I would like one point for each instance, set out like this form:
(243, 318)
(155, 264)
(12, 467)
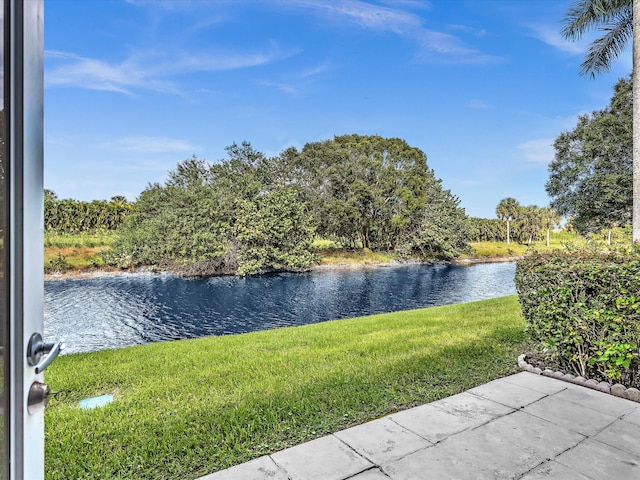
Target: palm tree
(531, 219)
(508, 210)
(550, 219)
(619, 21)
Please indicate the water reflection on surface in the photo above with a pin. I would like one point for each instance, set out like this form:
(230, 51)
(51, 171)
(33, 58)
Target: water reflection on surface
(130, 309)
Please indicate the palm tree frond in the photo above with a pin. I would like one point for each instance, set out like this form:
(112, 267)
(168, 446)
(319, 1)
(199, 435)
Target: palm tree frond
(585, 15)
(604, 49)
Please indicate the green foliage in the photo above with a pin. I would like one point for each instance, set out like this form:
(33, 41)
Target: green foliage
(487, 229)
(56, 264)
(273, 230)
(178, 225)
(591, 177)
(249, 214)
(584, 308)
(613, 358)
(230, 217)
(508, 210)
(614, 20)
(69, 216)
(531, 222)
(523, 224)
(442, 230)
(377, 193)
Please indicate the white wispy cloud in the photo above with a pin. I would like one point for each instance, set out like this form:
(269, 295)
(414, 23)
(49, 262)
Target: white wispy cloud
(74, 70)
(551, 36)
(538, 151)
(297, 83)
(478, 32)
(154, 70)
(144, 144)
(416, 4)
(477, 104)
(450, 48)
(432, 43)
(317, 70)
(284, 87)
(363, 14)
(150, 70)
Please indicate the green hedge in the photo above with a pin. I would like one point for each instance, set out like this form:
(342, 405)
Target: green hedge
(583, 309)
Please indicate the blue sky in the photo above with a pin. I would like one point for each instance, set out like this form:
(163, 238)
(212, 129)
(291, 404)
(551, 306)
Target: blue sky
(483, 87)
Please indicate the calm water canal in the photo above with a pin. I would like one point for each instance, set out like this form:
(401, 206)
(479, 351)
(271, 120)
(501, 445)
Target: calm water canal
(131, 309)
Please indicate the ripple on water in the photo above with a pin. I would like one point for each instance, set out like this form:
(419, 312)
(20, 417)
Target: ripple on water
(132, 309)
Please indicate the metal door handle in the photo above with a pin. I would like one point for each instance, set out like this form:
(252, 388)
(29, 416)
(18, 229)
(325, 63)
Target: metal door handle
(37, 349)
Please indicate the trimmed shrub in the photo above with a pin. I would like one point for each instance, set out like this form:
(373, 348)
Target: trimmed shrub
(583, 310)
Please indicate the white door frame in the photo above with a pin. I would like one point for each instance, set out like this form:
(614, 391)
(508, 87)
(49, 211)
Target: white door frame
(23, 91)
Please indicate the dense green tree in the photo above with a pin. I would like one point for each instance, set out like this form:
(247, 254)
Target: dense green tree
(486, 229)
(531, 222)
(591, 175)
(619, 22)
(248, 213)
(75, 216)
(508, 210)
(441, 230)
(273, 230)
(179, 225)
(371, 191)
(221, 218)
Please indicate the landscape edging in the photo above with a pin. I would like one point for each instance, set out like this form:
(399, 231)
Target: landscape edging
(617, 389)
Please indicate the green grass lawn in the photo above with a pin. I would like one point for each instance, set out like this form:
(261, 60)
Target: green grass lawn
(184, 409)
(63, 251)
(566, 241)
(79, 240)
(497, 249)
(356, 257)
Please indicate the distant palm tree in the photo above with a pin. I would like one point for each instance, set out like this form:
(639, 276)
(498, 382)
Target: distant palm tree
(508, 210)
(531, 221)
(550, 220)
(619, 22)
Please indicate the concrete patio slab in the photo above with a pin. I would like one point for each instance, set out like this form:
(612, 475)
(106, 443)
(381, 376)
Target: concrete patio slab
(622, 435)
(263, 468)
(326, 458)
(633, 417)
(504, 448)
(441, 463)
(602, 402)
(373, 474)
(382, 441)
(438, 420)
(553, 469)
(469, 406)
(574, 417)
(524, 426)
(601, 461)
(534, 382)
(509, 394)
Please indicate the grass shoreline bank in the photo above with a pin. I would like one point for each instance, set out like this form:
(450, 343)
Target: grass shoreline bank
(107, 271)
(72, 274)
(188, 408)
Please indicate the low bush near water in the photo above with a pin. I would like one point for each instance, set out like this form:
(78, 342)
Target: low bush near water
(583, 309)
